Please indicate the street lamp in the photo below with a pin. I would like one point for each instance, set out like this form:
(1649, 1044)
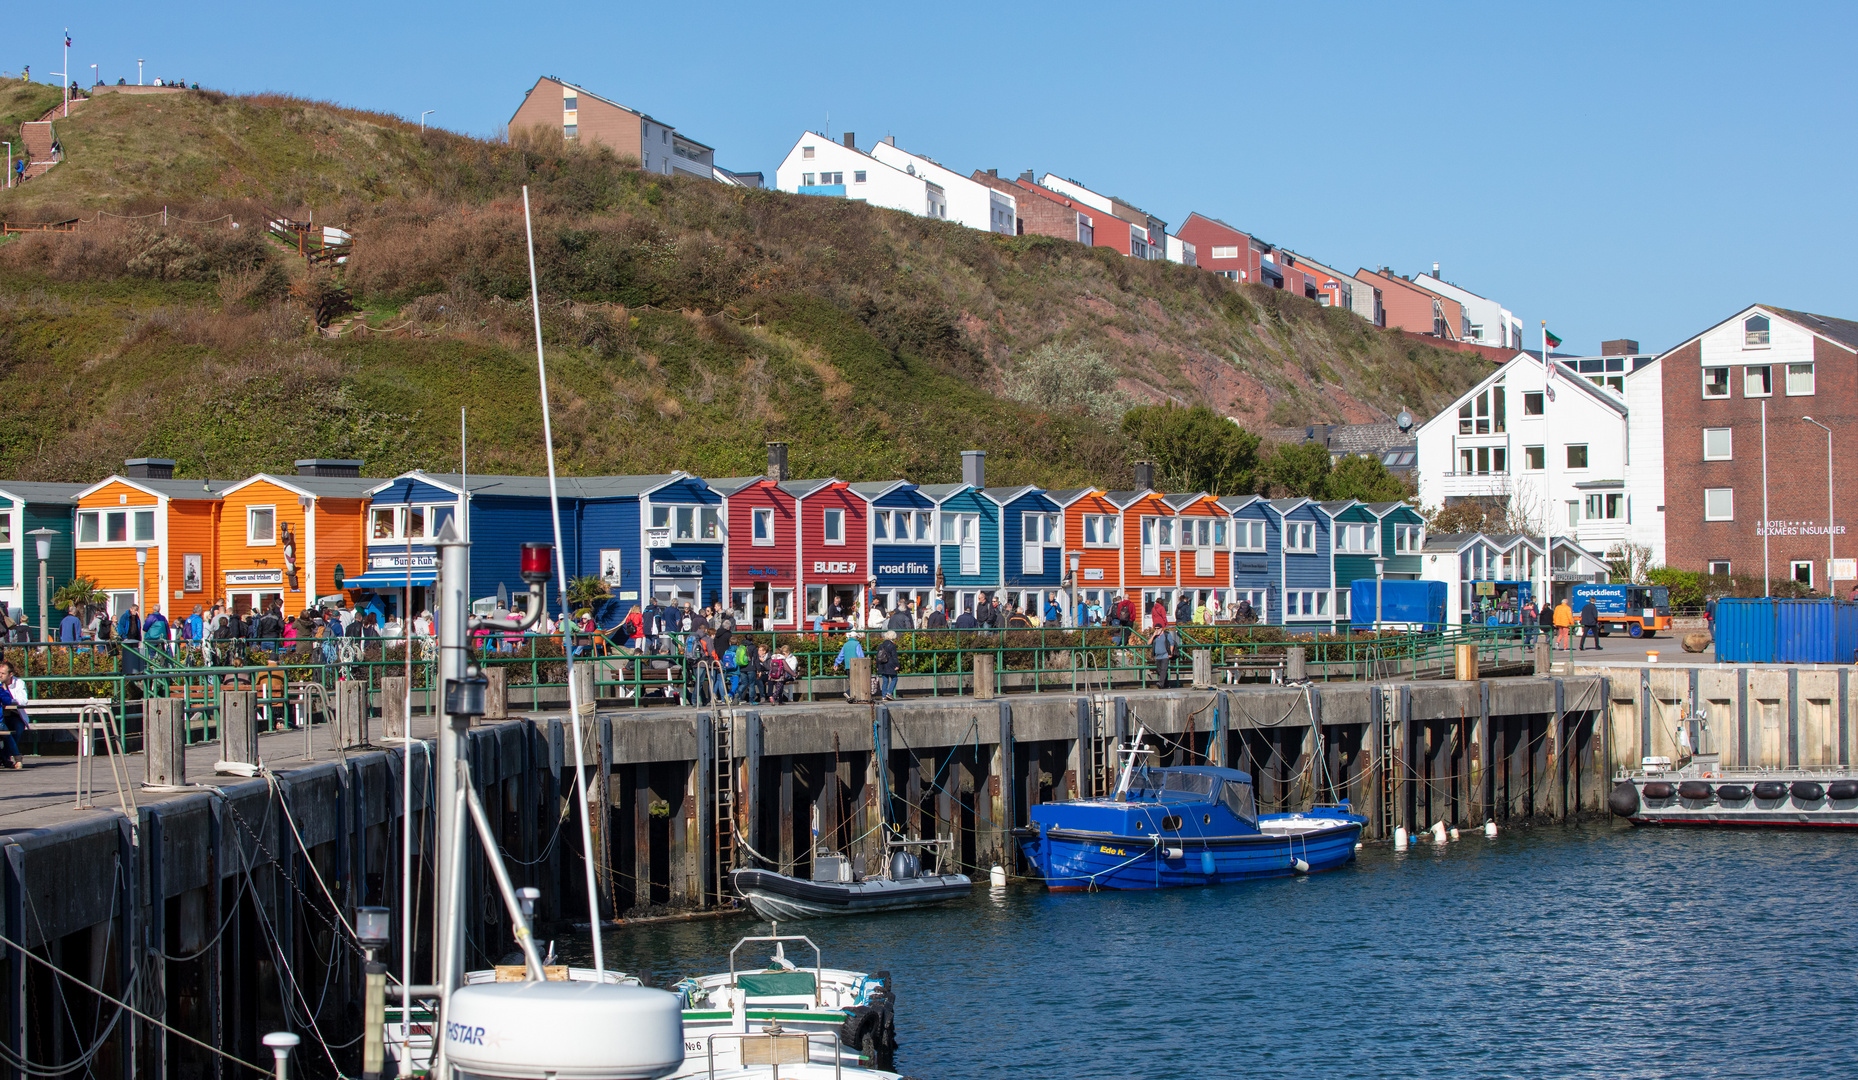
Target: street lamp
(1829, 521)
(138, 71)
(422, 119)
(1074, 559)
(141, 579)
(93, 75)
(1380, 576)
(373, 928)
(42, 540)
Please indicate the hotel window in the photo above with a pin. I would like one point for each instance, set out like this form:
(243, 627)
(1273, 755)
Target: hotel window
(1717, 444)
(1605, 507)
(1483, 460)
(1574, 513)
(1757, 380)
(1715, 382)
(570, 102)
(710, 523)
(1577, 456)
(1535, 458)
(764, 526)
(858, 176)
(1225, 251)
(806, 179)
(1802, 571)
(1755, 331)
(261, 525)
(835, 526)
(1719, 504)
(571, 131)
(806, 152)
(832, 178)
(1718, 568)
(1799, 380)
(1219, 532)
(1532, 403)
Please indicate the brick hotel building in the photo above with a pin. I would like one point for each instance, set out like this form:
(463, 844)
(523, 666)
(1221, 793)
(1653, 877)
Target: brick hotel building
(1802, 368)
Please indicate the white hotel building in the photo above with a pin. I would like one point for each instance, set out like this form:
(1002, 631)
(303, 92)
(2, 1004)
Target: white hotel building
(894, 178)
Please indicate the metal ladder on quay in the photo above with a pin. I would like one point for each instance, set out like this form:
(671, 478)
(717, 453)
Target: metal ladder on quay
(1390, 764)
(722, 792)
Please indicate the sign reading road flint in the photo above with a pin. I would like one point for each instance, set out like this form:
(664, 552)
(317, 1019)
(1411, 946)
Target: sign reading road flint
(667, 568)
(889, 569)
(835, 568)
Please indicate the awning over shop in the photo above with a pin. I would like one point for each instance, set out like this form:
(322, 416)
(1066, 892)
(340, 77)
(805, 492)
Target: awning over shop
(391, 579)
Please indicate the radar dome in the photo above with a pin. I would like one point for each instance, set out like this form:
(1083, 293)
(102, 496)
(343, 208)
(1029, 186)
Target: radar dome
(564, 1030)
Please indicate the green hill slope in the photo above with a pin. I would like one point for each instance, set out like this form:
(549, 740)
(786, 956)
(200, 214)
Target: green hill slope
(688, 323)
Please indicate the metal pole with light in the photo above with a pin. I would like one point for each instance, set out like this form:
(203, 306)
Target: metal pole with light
(141, 578)
(93, 75)
(1830, 557)
(138, 71)
(373, 928)
(281, 1044)
(422, 119)
(1074, 559)
(1767, 572)
(1380, 577)
(42, 539)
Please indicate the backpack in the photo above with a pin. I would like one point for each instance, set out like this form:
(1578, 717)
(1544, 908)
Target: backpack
(728, 659)
(740, 653)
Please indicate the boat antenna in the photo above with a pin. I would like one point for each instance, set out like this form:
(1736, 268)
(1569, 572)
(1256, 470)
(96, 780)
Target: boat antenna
(567, 623)
(1130, 753)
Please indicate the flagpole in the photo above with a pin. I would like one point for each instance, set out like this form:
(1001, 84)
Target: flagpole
(65, 75)
(1548, 477)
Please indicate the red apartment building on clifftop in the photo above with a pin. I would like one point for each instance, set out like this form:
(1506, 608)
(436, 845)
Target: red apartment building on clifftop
(1414, 309)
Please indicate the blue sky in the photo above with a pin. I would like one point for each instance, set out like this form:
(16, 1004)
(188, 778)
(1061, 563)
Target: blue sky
(1622, 170)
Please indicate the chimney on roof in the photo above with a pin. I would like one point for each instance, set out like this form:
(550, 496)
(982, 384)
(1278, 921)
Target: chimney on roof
(974, 467)
(777, 461)
(890, 140)
(995, 173)
(851, 140)
(149, 468)
(348, 467)
(1145, 476)
(1026, 176)
(1619, 347)
(1435, 271)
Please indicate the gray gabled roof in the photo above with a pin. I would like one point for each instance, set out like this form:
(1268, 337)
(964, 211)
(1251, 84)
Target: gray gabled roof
(1004, 495)
(729, 485)
(571, 487)
(1182, 499)
(872, 490)
(1338, 506)
(1285, 506)
(37, 491)
(1232, 504)
(1067, 496)
(800, 489)
(1843, 331)
(936, 493)
(1123, 499)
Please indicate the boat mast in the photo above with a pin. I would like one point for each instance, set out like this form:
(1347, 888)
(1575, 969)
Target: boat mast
(1129, 755)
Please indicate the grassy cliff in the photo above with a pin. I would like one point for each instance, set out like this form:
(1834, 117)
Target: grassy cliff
(687, 323)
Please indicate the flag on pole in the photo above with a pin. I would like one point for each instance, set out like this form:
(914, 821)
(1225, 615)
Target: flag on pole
(1549, 341)
(67, 39)
(1553, 341)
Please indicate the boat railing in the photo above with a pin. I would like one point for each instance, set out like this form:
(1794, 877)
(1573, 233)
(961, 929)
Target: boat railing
(778, 1046)
(1723, 772)
(819, 967)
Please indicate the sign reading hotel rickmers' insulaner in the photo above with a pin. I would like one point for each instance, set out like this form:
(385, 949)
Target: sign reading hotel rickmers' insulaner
(1797, 528)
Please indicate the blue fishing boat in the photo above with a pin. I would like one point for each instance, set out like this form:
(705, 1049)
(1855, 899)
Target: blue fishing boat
(1178, 826)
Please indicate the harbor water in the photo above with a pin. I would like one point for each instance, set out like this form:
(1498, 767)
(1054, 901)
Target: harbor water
(1592, 950)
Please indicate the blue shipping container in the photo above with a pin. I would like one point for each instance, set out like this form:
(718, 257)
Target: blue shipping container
(1419, 604)
(1786, 631)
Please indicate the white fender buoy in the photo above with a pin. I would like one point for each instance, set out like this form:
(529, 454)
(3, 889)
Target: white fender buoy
(997, 877)
(1454, 832)
(1438, 832)
(1399, 838)
(1490, 828)
(1302, 867)
(1359, 845)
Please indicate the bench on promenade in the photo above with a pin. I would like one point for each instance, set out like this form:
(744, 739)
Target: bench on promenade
(1271, 666)
(88, 717)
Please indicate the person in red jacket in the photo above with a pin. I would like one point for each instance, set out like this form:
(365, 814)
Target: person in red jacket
(1158, 615)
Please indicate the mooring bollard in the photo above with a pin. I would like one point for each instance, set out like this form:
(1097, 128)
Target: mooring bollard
(1203, 668)
(393, 707)
(238, 728)
(351, 713)
(1541, 656)
(164, 735)
(1466, 656)
(858, 683)
(983, 676)
(1294, 664)
(497, 694)
(584, 684)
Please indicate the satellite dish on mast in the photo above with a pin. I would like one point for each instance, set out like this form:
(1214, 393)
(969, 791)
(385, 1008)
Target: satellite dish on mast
(1405, 420)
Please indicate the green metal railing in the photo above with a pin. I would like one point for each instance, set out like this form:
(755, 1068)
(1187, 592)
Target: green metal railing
(933, 663)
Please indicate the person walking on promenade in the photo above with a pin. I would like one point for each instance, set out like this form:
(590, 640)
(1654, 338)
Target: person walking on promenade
(1590, 625)
(1530, 618)
(884, 661)
(70, 630)
(937, 620)
(1564, 621)
(14, 699)
(1160, 646)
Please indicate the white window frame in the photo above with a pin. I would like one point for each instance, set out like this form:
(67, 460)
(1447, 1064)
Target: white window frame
(1793, 571)
(757, 516)
(1728, 448)
(968, 541)
(1109, 530)
(135, 519)
(710, 520)
(1709, 567)
(661, 518)
(1540, 452)
(1038, 530)
(1748, 371)
(1726, 493)
(880, 526)
(686, 523)
(1300, 537)
(6, 526)
(1151, 544)
(832, 523)
(1727, 385)
(925, 527)
(816, 602)
(1567, 456)
(1766, 332)
(1789, 376)
(251, 538)
(1243, 532)
(1225, 251)
(1341, 604)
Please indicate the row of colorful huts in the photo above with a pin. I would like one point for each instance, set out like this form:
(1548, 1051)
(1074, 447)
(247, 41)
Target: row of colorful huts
(781, 549)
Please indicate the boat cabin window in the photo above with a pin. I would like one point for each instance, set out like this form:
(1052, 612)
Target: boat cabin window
(1164, 783)
(1238, 799)
(1171, 823)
